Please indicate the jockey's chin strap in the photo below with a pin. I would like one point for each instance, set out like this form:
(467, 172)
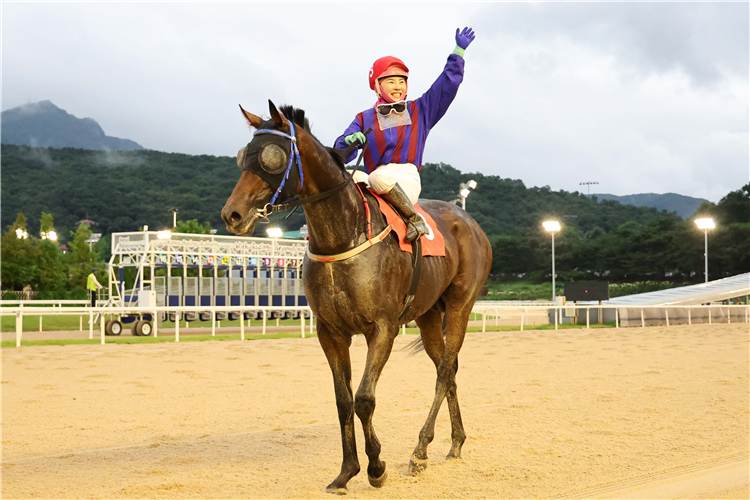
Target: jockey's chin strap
(296, 202)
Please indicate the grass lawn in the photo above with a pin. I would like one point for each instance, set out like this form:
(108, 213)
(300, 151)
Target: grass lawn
(70, 322)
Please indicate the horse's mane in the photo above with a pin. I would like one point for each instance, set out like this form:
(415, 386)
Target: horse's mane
(297, 116)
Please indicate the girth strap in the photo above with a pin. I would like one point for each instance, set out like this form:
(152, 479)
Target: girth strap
(416, 263)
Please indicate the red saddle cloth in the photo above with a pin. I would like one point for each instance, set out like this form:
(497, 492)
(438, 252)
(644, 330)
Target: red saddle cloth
(433, 243)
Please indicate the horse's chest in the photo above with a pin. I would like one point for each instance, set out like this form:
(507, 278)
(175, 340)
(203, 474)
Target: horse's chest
(347, 292)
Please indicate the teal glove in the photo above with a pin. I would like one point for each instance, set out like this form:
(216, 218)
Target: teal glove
(356, 136)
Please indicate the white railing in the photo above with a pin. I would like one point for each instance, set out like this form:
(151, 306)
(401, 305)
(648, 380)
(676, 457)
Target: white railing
(102, 312)
(680, 314)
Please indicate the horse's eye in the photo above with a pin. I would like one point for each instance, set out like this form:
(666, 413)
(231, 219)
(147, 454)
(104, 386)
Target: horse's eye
(241, 157)
(272, 158)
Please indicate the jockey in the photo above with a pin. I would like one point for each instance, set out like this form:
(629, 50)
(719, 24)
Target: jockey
(400, 128)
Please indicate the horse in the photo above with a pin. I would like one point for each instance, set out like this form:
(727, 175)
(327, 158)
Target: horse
(363, 294)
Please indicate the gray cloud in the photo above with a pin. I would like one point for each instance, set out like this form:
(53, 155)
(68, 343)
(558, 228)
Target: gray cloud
(642, 97)
(705, 40)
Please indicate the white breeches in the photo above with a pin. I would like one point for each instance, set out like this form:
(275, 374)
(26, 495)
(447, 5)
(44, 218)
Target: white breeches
(385, 177)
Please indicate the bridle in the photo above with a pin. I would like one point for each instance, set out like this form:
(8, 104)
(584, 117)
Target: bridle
(294, 156)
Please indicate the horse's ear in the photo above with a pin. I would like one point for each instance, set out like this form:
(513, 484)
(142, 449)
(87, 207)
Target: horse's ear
(278, 118)
(253, 120)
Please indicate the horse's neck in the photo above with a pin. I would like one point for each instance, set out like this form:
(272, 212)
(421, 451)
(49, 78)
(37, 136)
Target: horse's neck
(336, 223)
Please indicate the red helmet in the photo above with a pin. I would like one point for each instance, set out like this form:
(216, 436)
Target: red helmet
(387, 66)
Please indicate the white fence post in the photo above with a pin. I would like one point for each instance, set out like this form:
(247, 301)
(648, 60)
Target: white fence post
(101, 327)
(617, 317)
(302, 323)
(643, 322)
(709, 315)
(666, 315)
(177, 326)
(19, 328)
(484, 321)
(690, 318)
(264, 321)
(242, 327)
(587, 317)
(91, 325)
(155, 322)
(80, 323)
(555, 316)
(213, 323)
(40, 322)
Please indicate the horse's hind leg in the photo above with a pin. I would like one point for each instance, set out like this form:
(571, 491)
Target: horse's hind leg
(379, 346)
(444, 353)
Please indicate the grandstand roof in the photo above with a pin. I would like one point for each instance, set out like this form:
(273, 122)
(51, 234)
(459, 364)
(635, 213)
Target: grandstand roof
(713, 291)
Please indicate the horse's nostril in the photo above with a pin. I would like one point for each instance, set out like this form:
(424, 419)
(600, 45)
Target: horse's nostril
(235, 217)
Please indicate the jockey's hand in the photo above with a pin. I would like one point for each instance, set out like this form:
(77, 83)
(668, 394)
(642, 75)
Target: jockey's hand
(464, 38)
(356, 136)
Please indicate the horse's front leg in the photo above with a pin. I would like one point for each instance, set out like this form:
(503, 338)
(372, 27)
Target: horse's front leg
(379, 347)
(336, 349)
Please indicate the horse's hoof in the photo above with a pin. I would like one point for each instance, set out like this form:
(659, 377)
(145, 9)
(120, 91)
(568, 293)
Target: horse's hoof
(335, 490)
(379, 481)
(417, 465)
(453, 456)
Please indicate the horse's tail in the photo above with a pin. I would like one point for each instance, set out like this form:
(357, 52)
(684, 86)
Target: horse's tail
(417, 346)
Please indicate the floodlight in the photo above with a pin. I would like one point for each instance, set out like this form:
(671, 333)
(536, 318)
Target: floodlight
(21, 234)
(52, 235)
(274, 232)
(551, 225)
(705, 223)
(464, 192)
(164, 235)
(472, 184)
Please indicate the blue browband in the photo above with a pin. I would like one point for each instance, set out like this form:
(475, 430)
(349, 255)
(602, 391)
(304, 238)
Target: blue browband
(292, 157)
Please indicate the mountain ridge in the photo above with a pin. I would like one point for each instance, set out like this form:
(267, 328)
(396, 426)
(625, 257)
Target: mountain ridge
(43, 124)
(685, 206)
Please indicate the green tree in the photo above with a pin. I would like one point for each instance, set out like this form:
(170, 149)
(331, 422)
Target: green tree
(192, 226)
(82, 259)
(18, 257)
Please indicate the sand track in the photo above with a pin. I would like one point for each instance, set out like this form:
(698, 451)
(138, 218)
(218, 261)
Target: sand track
(572, 414)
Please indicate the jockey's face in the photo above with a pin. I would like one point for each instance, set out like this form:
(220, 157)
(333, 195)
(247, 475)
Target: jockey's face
(394, 87)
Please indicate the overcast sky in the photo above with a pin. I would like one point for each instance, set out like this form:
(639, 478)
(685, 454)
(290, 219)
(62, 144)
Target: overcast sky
(646, 97)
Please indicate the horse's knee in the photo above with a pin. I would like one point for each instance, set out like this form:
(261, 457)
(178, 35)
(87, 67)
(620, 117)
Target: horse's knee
(344, 406)
(364, 405)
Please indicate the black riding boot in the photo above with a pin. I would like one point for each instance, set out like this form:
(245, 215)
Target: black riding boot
(415, 226)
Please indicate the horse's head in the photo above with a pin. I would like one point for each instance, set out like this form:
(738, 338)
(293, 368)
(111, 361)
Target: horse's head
(264, 163)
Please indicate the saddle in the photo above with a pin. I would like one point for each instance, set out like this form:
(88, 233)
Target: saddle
(432, 243)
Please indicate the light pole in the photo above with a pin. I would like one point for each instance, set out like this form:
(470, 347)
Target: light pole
(588, 185)
(174, 216)
(464, 190)
(706, 225)
(552, 227)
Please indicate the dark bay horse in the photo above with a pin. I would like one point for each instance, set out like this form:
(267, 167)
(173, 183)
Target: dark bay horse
(364, 294)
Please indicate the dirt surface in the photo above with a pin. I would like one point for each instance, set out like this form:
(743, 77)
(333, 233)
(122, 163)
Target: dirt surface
(607, 413)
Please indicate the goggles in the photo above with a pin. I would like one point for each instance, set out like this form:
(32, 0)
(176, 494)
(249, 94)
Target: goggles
(394, 107)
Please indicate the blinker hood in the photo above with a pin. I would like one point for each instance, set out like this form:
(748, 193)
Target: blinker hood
(268, 158)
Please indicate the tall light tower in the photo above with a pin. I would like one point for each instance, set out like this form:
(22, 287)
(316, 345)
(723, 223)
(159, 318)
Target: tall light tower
(174, 216)
(588, 185)
(706, 225)
(464, 190)
(552, 227)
